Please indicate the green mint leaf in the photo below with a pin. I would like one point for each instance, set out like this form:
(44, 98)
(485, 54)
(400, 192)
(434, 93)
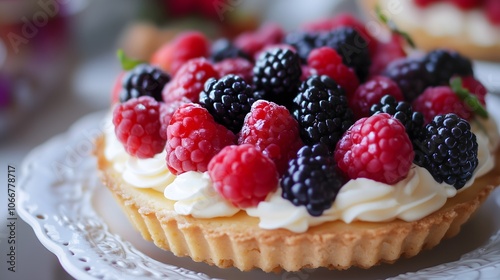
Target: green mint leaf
(469, 99)
(393, 27)
(126, 62)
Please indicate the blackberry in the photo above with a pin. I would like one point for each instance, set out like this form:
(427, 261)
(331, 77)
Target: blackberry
(322, 111)
(414, 75)
(349, 44)
(224, 48)
(448, 150)
(228, 100)
(276, 75)
(312, 179)
(402, 111)
(144, 80)
(443, 64)
(304, 42)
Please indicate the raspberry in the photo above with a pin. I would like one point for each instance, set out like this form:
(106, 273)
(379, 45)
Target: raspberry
(413, 121)
(237, 66)
(466, 4)
(166, 111)
(326, 61)
(351, 45)
(223, 48)
(243, 175)
(492, 9)
(312, 179)
(228, 100)
(376, 148)
(370, 93)
(476, 88)
(342, 20)
(385, 53)
(188, 45)
(143, 80)
(193, 138)
(276, 75)
(425, 3)
(189, 80)
(322, 111)
(137, 126)
(253, 42)
(439, 101)
(449, 150)
(274, 131)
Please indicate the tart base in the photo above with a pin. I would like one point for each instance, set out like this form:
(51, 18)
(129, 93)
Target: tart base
(238, 241)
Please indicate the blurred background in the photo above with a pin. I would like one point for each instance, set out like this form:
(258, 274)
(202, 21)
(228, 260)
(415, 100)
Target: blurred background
(58, 63)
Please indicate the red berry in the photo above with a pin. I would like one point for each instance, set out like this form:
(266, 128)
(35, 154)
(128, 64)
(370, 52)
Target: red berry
(492, 9)
(386, 53)
(137, 126)
(193, 138)
(475, 87)
(439, 101)
(466, 4)
(253, 42)
(243, 175)
(237, 66)
(425, 3)
(341, 20)
(370, 93)
(376, 148)
(189, 80)
(326, 61)
(166, 111)
(188, 45)
(117, 88)
(273, 130)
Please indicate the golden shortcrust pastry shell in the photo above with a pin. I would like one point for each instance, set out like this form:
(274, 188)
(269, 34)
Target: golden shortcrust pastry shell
(238, 241)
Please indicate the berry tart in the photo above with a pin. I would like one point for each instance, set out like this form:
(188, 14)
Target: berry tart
(313, 148)
(471, 27)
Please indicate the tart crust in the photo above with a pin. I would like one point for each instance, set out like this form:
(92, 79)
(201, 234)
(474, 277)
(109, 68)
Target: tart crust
(427, 42)
(238, 241)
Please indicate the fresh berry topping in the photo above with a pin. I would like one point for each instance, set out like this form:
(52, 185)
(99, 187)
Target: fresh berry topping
(167, 109)
(414, 75)
(193, 138)
(492, 9)
(312, 179)
(439, 101)
(425, 3)
(243, 175)
(322, 111)
(143, 80)
(342, 20)
(326, 61)
(385, 53)
(304, 42)
(466, 4)
(237, 66)
(186, 46)
(276, 75)
(252, 42)
(376, 148)
(228, 100)
(351, 45)
(223, 48)
(273, 130)
(476, 88)
(413, 121)
(370, 93)
(189, 80)
(448, 150)
(137, 126)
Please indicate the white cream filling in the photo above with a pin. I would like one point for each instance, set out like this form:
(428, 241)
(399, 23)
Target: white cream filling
(362, 199)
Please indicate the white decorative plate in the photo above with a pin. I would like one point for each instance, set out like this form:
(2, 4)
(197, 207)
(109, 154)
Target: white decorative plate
(75, 217)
